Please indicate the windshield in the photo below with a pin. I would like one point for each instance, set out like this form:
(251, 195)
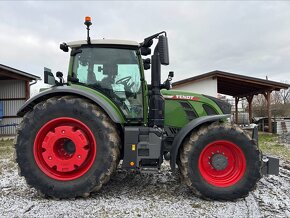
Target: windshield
(114, 72)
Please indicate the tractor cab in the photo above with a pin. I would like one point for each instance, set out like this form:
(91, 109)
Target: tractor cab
(111, 67)
(115, 68)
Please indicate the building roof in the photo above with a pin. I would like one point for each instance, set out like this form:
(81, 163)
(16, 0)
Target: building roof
(103, 42)
(234, 84)
(12, 73)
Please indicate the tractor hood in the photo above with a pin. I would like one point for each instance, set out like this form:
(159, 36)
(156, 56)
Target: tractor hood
(181, 107)
(181, 95)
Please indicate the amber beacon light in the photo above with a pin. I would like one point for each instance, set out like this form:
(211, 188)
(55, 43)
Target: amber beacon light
(88, 23)
(88, 19)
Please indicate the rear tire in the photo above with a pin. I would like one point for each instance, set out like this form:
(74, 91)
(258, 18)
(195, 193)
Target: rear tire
(220, 162)
(67, 147)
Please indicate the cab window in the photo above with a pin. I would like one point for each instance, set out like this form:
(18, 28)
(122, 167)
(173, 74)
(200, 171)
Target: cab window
(115, 73)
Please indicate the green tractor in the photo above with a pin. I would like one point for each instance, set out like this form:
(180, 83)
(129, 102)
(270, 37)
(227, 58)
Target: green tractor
(74, 134)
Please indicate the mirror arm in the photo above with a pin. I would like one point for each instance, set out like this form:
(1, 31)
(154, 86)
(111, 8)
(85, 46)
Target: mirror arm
(146, 40)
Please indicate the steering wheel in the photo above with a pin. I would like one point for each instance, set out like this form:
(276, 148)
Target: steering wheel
(124, 81)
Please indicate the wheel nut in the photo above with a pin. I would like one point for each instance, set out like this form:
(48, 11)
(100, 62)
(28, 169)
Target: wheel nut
(50, 158)
(62, 131)
(79, 156)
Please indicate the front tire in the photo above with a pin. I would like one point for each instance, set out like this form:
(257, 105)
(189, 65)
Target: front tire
(67, 147)
(220, 162)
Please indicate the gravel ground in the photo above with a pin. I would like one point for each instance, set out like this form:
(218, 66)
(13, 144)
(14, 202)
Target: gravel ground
(143, 195)
(285, 139)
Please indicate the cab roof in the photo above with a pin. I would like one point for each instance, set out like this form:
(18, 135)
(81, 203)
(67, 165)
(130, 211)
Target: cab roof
(75, 44)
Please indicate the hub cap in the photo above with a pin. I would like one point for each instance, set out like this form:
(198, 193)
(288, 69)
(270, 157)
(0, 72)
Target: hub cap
(64, 148)
(222, 163)
(219, 161)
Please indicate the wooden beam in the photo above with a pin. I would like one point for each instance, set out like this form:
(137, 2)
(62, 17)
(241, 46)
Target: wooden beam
(267, 95)
(27, 90)
(13, 75)
(12, 99)
(236, 105)
(262, 91)
(14, 116)
(251, 80)
(250, 101)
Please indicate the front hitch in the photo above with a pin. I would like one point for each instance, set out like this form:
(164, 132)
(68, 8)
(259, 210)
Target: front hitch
(270, 165)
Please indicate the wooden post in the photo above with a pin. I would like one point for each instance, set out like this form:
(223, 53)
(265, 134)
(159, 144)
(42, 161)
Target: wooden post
(250, 101)
(236, 105)
(27, 90)
(268, 98)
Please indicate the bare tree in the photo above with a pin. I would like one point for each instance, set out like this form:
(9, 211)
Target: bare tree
(285, 95)
(259, 106)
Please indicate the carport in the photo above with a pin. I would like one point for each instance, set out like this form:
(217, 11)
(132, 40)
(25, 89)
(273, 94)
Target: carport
(239, 86)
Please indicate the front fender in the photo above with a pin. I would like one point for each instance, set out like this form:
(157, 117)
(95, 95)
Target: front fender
(178, 139)
(112, 111)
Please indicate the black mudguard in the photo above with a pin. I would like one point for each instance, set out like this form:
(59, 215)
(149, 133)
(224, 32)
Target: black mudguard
(66, 90)
(178, 139)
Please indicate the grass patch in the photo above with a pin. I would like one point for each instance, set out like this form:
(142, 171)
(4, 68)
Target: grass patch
(6, 149)
(269, 144)
(6, 155)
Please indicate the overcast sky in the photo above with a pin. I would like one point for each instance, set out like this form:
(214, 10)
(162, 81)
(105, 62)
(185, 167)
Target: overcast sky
(248, 38)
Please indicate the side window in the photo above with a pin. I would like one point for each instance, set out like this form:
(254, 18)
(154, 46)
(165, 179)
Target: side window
(98, 71)
(132, 72)
(82, 73)
(115, 73)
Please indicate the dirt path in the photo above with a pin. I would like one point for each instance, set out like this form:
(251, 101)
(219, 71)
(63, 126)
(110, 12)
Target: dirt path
(144, 195)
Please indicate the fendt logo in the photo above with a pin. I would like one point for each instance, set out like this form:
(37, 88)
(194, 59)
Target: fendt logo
(182, 97)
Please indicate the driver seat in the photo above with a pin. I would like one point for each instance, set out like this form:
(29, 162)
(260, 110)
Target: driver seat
(110, 71)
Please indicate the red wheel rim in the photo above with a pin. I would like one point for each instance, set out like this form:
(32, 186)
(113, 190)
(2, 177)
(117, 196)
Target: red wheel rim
(222, 163)
(64, 148)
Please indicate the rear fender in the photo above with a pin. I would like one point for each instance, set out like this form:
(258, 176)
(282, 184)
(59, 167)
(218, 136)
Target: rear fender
(178, 139)
(65, 90)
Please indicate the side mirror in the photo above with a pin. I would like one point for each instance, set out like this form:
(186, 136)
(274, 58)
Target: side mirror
(60, 76)
(63, 47)
(48, 77)
(167, 84)
(163, 50)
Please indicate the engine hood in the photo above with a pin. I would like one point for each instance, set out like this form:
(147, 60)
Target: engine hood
(182, 95)
(181, 107)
